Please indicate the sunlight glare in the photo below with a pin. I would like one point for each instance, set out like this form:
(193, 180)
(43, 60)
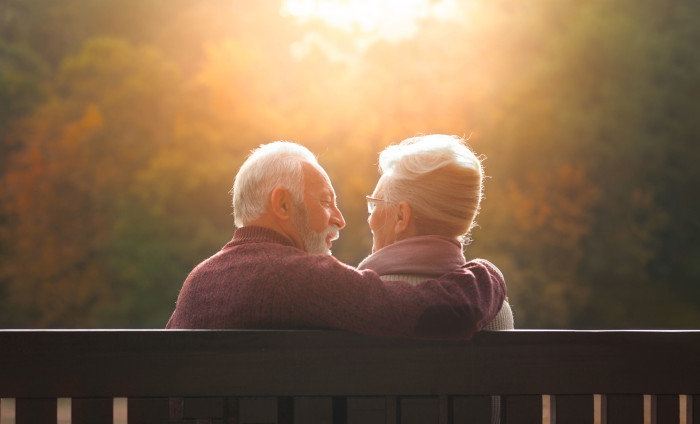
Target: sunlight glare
(390, 19)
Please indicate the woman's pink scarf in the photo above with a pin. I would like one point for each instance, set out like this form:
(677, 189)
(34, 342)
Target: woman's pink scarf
(421, 255)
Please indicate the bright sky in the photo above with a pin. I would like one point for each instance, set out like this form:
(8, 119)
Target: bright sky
(391, 19)
(366, 20)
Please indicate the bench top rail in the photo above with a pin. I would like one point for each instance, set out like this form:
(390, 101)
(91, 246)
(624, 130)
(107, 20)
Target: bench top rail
(74, 363)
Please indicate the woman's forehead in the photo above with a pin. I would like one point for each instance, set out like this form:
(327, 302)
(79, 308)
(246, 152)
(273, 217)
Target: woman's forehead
(381, 184)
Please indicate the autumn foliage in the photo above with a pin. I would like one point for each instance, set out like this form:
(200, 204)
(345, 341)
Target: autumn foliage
(125, 122)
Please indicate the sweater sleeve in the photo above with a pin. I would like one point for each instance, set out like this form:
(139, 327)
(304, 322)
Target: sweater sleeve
(318, 291)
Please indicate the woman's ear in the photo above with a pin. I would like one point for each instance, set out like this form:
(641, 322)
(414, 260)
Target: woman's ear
(281, 203)
(403, 218)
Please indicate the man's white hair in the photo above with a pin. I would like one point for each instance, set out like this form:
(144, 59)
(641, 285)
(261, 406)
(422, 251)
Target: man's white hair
(277, 164)
(439, 177)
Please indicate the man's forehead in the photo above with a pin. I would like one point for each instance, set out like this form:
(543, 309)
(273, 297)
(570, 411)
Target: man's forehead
(315, 177)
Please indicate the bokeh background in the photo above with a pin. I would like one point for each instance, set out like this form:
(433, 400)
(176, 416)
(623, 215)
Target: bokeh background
(123, 123)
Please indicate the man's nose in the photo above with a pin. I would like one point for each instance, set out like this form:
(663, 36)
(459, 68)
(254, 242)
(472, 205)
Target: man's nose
(337, 218)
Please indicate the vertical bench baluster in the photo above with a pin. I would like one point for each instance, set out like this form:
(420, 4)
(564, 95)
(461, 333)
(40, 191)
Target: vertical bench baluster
(32, 411)
(7, 410)
(120, 406)
(63, 410)
(549, 409)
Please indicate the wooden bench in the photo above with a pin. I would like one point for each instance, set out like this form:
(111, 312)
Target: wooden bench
(233, 376)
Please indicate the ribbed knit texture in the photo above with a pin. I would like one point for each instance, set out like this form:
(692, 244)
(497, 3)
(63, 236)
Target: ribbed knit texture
(259, 280)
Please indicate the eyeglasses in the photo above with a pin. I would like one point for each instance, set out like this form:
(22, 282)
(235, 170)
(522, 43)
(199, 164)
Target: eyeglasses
(372, 203)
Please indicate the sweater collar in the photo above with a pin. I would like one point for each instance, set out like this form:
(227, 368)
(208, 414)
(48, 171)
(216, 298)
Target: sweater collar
(421, 255)
(253, 234)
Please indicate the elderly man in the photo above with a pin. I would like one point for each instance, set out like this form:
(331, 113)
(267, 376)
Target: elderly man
(277, 272)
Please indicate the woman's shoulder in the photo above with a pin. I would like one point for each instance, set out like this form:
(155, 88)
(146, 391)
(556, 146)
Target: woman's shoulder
(503, 321)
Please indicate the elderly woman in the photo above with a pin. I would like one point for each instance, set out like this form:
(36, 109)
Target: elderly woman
(421, 211)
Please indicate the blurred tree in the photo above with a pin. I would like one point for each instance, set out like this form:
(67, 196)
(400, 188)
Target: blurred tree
(21, 89)
(112, 110)
(123, 160)
(595, 86)
(549, 214)
(648, 140)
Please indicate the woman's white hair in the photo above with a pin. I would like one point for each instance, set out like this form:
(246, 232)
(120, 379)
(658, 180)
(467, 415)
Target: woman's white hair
(277, 164)
(441, 180)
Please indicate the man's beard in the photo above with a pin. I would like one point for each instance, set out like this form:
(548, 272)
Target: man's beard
(314, 242)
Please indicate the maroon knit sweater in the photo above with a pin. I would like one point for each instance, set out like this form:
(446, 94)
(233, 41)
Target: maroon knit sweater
(259, 280)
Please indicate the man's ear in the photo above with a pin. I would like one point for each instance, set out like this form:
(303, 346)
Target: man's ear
(403, 217)
(281, 203)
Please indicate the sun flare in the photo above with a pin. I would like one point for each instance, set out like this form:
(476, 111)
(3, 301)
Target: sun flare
(393, 19)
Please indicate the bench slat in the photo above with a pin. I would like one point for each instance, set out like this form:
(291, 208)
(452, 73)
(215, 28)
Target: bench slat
(308, 363)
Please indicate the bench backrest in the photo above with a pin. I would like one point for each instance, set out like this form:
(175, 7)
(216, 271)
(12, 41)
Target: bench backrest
(327, 376)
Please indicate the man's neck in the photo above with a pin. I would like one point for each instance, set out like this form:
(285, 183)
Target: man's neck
(283, 227)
